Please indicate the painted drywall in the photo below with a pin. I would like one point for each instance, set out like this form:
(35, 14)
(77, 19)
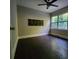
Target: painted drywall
(57, 32)
(26, 13)
(60, 11)
(60, 33)
(13, 23)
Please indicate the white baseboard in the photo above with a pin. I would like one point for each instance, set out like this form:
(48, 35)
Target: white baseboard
(63, 36)
(34, 35)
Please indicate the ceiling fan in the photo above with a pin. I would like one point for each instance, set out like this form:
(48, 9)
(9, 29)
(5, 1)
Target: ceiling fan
(49, 3)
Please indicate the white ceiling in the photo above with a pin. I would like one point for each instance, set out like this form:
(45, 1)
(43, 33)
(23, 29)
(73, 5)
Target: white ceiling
(34, 5)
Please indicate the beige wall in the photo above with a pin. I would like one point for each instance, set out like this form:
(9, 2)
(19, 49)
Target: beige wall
(61, 33)
(26, 13)
(60, 11)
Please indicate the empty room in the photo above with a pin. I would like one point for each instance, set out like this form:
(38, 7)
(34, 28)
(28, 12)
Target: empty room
(39, 29)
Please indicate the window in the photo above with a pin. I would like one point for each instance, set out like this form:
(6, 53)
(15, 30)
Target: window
(60, 21)
(54, 22)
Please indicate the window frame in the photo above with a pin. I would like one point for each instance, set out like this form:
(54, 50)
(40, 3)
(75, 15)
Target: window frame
(58, 22)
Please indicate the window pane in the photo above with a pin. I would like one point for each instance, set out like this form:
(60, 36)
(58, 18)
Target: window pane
(54, 19)
(54, 25)
(63, 17)
(62, 25)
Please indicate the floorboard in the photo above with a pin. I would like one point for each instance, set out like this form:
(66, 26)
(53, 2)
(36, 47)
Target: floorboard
(42, 47)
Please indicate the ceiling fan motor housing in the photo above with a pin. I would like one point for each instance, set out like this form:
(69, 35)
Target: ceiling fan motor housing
(49, 3)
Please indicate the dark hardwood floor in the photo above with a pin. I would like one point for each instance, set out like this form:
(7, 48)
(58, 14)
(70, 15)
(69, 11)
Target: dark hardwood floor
(42, 47)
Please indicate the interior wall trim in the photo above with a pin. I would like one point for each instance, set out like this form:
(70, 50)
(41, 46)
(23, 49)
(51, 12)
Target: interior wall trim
(59, 36)
(34, 35)
(14, 49)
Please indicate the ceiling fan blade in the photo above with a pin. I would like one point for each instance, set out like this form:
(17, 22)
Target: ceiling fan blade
(41, 4)
(54, 5)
